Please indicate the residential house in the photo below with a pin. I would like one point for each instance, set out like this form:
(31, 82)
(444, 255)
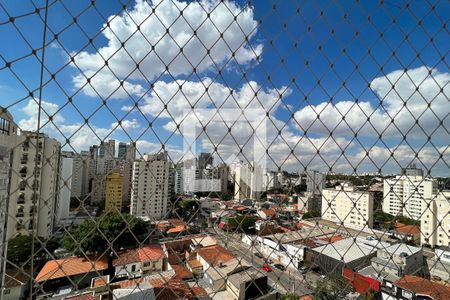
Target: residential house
(69, 271)
(405, 232)
(415, 287)
(267, 214)
(137, 262)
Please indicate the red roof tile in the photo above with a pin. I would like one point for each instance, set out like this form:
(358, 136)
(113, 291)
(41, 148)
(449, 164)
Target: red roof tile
(407, 229)
(424, 287)
(100, 281)
(332, 239)
(182, 272)
(70, 266)
(145, 253)
(269, 212)
(176, 229)
(215, 254)
(85, 296)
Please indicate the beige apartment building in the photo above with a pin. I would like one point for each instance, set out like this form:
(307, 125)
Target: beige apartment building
(435, 221)
(345, 204)
(150, 186)
(33, 181)
(404, 195)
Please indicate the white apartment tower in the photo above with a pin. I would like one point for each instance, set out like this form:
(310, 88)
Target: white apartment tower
(345, 204)
(403, 195)
(435, 220)
(65, 183)
(248, 181)
(150, 186)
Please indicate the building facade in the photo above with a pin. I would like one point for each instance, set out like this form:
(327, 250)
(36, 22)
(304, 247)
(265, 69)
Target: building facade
(114, 191)
(404, 195)
(150, 185)
(435, 220)
(345, 204)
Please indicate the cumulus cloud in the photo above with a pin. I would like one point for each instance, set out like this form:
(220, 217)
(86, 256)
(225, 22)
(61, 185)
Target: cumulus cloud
(126, 124)
(80, 135)
(420, 94)
(152, 34)
(392, 159)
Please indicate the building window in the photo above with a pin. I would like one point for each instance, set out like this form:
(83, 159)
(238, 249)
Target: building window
(133, 268)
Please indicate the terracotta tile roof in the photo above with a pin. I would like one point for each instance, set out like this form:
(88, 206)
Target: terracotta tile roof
(283, 229)
(215, 254)
(198, 291)
(176, 222)
(16, 277)
(85, 296)
(126, 257)
(100, 281)
(424, 287)
(182, 272)
(126, 283)
(194, 263)
(332, 239)
(150, 252)
(145, 253)
(174, 288)
(70, 266)
(177, 229)
(269, 212)
(407, 229)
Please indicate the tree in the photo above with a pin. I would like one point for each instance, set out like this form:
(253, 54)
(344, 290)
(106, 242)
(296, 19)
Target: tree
(311, 214)
(19, 248)
(290, 297)
(115, 229)
(333, 287)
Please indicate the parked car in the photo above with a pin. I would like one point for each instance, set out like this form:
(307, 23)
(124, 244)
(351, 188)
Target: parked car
(270, 262)
(257, 254)
(279, 267)
(266, 267)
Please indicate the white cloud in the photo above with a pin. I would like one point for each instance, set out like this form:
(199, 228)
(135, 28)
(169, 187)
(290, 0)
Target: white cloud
(80, 135)
(394, 158)
(201, 51)
(143, 147)
(418, 94)
(126, 124)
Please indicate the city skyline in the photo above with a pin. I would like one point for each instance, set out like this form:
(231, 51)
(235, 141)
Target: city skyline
(151, 103)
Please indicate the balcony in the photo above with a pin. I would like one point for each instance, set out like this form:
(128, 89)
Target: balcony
(22, 185)
(21, 198)
(23, 172)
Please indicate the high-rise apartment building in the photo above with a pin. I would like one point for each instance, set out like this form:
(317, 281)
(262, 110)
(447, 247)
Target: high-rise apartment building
(114, 191)
(5, 154)
(435, 220)
(345, 204)
(248, 181)
(150, 186)
(403, 195)
(64, 192)
(204, 160)
(107, 149)
(126, 151)
(412, 170)
(315, 181)
(33, 181)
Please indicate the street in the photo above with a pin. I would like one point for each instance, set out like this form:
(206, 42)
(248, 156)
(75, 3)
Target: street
(285, 281)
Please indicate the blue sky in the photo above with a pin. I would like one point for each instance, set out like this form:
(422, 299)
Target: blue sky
(319, 44)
